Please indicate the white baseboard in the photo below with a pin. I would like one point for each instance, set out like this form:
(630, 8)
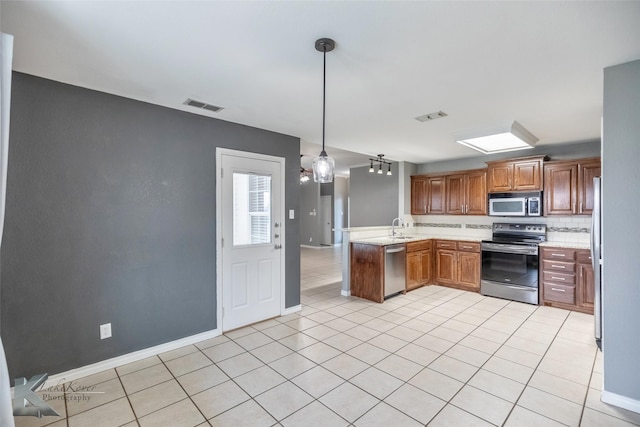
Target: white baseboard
(291, 310)
(83, 371)
(620, 401)
(345, 293)
(115, 362)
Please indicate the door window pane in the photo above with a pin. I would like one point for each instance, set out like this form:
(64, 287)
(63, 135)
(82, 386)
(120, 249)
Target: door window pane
(251, 209)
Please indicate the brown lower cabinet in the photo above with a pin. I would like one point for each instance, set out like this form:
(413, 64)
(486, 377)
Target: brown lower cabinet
(457, 264)
(367, 271)
(419, 264)
(567, 279)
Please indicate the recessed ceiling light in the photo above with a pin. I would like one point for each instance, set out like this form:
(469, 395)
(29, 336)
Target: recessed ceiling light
(501, 139)
(198, 104)
(432, 116)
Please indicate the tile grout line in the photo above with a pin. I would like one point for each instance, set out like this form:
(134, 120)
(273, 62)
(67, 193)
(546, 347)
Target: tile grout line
(126, 395)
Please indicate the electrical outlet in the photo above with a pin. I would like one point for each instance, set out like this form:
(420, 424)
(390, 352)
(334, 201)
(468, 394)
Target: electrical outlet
(105, 331)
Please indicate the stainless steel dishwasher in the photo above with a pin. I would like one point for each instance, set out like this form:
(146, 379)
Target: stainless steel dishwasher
(394, 269)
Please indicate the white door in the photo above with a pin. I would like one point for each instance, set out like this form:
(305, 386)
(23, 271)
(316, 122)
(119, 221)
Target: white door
(250, 224)
(325, 218)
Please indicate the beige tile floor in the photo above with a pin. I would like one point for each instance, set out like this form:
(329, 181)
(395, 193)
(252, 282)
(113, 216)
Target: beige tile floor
(435, 356)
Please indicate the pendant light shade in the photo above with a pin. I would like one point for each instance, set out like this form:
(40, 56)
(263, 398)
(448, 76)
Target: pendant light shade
(323, 165)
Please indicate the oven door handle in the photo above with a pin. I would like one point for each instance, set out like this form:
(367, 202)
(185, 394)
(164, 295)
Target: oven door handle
(510, 250)
(523, 288)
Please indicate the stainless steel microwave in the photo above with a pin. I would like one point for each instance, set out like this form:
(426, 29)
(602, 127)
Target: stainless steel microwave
(515, 204)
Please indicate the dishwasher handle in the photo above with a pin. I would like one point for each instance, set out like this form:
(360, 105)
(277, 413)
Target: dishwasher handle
(394, 250)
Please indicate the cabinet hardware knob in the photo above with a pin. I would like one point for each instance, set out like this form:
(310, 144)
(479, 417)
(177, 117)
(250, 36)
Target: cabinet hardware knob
(558, 278)
(558, 266)
(558, 290)
(558, 255)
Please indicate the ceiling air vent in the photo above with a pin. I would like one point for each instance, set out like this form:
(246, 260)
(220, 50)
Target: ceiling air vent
(431, 116)
(193, 103)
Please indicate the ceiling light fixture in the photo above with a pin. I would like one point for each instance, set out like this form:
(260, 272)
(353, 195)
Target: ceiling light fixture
(303, 175)
(381, 161)
(324, 165)
(510, 137)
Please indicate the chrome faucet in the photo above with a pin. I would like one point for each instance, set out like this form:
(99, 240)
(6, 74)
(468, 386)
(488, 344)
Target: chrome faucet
(393, 225)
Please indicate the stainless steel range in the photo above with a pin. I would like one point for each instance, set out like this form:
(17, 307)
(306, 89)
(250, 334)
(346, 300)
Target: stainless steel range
(510, 262)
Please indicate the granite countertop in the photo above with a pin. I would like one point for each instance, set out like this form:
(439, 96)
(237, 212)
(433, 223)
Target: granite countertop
(388, 240)
(570, 245)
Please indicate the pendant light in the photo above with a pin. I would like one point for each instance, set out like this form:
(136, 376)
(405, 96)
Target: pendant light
(324, 165)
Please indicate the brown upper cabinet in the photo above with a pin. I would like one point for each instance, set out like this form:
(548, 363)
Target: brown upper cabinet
(467, 193)
(520, 174)
(458, 193)
(427, 195)
(418, 195)
(568, 186)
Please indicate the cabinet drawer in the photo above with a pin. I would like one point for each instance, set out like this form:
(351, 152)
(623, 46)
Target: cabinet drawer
(560, 266)
(469, 246)
(422, 245)
(583, 256)
(559, 254)
(559, 293)
(446, 244)
(552, 276)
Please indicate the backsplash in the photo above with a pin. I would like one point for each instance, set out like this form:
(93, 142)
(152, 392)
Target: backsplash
(569, 229)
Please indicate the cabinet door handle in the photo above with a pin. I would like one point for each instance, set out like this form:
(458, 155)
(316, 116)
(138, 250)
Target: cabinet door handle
(558, 278)
(558, 290)
(429, 207)
(574, 208)
(558, 255)
(580, 207)
(558, 266)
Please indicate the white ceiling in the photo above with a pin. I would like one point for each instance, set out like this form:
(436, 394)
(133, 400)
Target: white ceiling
(483, 63)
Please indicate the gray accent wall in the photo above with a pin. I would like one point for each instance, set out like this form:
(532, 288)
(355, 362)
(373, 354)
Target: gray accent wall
(620, 231)
(374, 197)
(111, 217)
